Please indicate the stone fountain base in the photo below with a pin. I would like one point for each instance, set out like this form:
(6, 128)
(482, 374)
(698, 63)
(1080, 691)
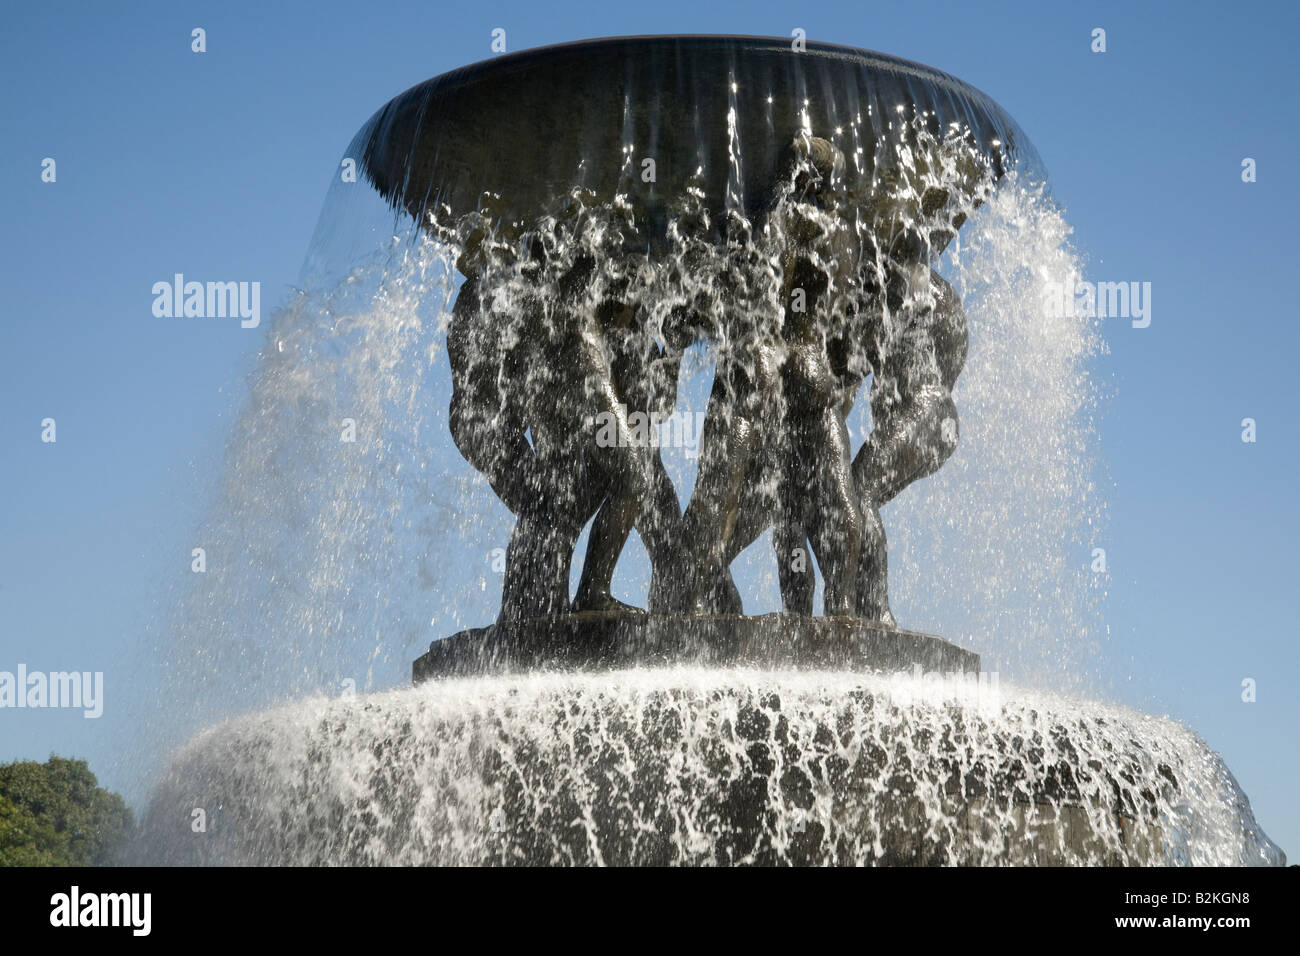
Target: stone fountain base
(598, 640)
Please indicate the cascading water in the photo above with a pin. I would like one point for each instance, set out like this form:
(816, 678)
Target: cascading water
(705, 767)
(350, 531)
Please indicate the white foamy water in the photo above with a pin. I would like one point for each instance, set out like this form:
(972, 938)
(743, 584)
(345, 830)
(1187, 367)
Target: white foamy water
(690, 766)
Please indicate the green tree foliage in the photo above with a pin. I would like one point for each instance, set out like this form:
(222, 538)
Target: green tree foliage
(56, 814)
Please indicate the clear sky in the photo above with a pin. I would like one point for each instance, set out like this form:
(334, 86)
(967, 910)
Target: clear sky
(217, 165)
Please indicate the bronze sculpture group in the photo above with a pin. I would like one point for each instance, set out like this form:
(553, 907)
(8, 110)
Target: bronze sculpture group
(562, 332)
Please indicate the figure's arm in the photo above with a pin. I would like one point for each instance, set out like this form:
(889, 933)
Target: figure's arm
(482, 425)
(915, 420)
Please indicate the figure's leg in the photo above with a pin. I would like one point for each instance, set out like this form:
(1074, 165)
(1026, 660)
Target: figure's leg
(756, 506)
(541, 547)
(794, 566)
(916, 437)
(835, 523)
(660, 526)
(616, 487)
(728, 442)
(609, 532)
(724, 598)
(872, 598)
(914, 434)
(537, 567)
(911, 441)
(658, 521)
(660, 518)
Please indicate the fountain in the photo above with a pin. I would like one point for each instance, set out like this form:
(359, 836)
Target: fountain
(596, 226)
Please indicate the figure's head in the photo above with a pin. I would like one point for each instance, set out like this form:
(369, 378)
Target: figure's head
(486, 233)
(818, 165)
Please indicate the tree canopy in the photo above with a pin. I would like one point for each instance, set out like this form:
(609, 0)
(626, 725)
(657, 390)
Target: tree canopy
(56, 814)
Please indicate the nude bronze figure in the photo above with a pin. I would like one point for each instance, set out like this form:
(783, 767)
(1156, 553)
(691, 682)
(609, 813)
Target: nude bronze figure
(544, 411)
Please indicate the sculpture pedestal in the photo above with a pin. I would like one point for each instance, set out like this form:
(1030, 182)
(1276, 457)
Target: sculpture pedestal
(598, 640)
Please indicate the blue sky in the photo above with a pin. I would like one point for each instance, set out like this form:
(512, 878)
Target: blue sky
(218, 164)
